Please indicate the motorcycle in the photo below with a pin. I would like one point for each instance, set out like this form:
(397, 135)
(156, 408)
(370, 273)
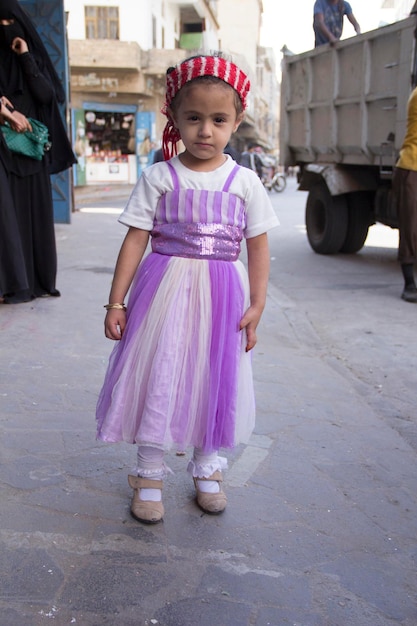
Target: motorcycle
(275, 181)
(272, 178)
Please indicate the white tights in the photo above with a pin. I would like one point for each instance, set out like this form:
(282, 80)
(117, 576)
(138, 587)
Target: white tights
(202, 465)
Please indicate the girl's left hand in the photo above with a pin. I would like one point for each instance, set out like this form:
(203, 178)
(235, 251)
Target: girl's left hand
(249, 322)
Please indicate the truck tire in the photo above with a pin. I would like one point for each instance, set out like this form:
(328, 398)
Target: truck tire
(326, 220)
(359, 220)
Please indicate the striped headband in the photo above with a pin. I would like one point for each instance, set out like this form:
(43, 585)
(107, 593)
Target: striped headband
(198, 66)
(188, 70)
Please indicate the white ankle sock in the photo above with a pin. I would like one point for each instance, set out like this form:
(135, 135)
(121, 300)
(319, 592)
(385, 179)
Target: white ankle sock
(204, 464)
(150, 466)
(208, 486)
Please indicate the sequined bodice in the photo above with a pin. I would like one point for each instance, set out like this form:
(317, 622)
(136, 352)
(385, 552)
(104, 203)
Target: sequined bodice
(199, 223)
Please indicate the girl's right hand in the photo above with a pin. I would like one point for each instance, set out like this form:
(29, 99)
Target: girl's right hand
(115, 324)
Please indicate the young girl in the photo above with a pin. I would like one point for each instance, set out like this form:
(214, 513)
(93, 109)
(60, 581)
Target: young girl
(181, 372)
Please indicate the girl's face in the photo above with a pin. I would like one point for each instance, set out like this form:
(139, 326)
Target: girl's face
(206, 117)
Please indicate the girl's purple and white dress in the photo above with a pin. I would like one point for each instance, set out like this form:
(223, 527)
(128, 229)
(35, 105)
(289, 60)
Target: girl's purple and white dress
(180, 375)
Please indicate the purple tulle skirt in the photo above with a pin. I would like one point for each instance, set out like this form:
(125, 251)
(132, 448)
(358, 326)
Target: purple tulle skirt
(180, 374)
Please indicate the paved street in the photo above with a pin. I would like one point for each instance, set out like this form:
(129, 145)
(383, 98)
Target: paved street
(320, 528)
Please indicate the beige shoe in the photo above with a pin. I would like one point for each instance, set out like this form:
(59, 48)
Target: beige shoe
(144, 510)
(213, 503)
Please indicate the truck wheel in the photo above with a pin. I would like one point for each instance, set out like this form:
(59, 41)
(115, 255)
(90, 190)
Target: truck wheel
(359, 220)
(326, 220)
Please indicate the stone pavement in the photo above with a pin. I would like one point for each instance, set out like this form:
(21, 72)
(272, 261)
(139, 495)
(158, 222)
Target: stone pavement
(320, 529)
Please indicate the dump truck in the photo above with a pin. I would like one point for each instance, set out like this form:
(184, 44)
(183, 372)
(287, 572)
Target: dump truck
(343, 120)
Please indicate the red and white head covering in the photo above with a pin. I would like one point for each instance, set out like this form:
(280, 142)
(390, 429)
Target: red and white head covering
(188, 70)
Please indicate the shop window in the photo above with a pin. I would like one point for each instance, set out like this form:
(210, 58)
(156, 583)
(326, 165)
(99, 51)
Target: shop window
(105, 147)
(101, 22)
(110, 133)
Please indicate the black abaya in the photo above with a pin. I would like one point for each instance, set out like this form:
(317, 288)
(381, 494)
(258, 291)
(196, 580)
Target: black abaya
(31, 84)
(13, 277)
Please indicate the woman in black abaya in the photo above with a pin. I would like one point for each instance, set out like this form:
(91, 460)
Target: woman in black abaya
(12, 263)
(29, 81)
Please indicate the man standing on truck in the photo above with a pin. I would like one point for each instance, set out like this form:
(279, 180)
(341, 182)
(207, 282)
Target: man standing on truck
(328, 20)
(404, 188)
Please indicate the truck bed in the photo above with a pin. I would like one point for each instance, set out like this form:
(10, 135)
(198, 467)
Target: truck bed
(347, 104)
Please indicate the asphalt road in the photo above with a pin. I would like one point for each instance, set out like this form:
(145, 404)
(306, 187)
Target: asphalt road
(348, 308)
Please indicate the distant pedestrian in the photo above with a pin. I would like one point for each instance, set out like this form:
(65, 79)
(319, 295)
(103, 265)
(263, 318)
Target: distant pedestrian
(404, 185)
(251, 159)
(158, 156)
(232, 152)
(328, 20)
(181, 372)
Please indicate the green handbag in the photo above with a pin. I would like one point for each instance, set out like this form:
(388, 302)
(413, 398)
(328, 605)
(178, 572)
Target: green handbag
(32, 143)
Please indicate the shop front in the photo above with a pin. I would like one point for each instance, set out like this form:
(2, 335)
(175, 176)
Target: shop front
(113, 143)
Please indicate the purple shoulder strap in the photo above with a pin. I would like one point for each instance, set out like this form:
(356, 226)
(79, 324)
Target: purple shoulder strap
(230, 178)
(174, 176)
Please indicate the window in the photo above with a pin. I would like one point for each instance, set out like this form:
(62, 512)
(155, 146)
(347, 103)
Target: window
(101, 22)
(154, 42)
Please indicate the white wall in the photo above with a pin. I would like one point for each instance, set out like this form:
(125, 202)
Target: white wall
(135, 17)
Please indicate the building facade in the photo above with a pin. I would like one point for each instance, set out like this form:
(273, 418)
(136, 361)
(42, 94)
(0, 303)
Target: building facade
(394, 10)
(239, 34)
(119, 51)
